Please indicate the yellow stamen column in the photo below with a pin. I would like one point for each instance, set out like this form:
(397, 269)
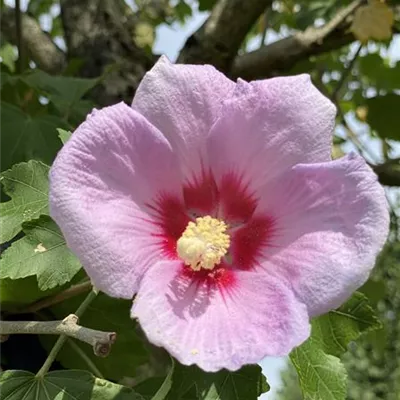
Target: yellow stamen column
(203, 243)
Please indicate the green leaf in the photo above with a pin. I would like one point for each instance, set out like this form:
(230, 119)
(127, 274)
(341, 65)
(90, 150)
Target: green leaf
(374, 290)
(4, 78)
(164, 389)
(71, 89)
(16, 292)
(67, 385)
(41, 252)
(246, 384)
(336, 329)
(24, 137)
(28, 186)
(383, 114)
(205, 5)
(39, 7)
(183, 10)
(16, 92)
(104, 313)
(321, 374)
(64, 135)
(376, 72)
(63, 91)
(8, 56)
(144, 35)
(56, 27)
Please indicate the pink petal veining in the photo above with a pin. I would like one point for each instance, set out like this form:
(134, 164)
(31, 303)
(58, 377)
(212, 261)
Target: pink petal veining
(218, 329)
(305, 231)
(99, 185)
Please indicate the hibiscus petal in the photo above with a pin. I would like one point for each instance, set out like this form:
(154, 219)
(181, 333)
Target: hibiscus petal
(183, 101)
(331, 220)
(113, 165)
(215, 327)
(268, 126)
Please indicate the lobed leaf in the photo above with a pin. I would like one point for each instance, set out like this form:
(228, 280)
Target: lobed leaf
(41, 252)
(25, 137)
(246, 384)
(321, 374)
(28, 186)
(68, 385)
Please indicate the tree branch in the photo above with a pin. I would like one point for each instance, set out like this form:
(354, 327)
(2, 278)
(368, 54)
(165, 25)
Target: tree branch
(345, 74)
(220, 37)
(282, 55)
(101, 34)
(90, 364)
(99, 340)
(33, 41)
(72, 291)
(388, 172)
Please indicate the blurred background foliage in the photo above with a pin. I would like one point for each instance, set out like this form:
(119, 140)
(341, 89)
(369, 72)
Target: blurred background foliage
(59, 59)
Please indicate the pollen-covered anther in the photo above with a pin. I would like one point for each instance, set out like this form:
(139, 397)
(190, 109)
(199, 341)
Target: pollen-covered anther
(203, 243)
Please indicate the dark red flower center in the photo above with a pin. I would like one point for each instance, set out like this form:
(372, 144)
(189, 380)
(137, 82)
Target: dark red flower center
(231, 202)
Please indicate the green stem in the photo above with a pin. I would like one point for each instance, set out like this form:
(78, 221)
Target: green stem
(345, 74)
(62, 339)
(66, 294)
(89, 298)
(92, 367)
(265, 17)
(52, 356)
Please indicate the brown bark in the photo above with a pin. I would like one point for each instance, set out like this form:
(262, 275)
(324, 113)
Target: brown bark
(220, 37)
(36, 43)
(282, 55)
(100, 33)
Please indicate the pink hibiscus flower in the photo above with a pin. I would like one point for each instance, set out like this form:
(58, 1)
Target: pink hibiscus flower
(217, 205)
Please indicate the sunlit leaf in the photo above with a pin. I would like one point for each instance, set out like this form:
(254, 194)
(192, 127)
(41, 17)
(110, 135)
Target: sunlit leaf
(64, 135)
(373, 21)
(41, 252)
(336, 329)
(8, 56)
(321, 374)
(28, 186)
(144, 34)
